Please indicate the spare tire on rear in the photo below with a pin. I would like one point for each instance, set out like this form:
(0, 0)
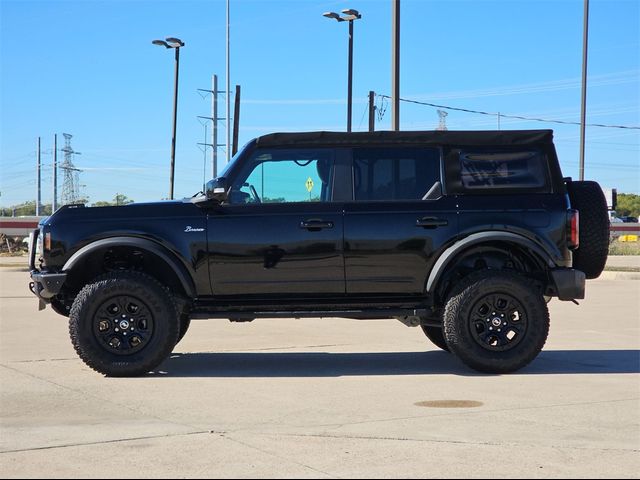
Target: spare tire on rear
(591, 255)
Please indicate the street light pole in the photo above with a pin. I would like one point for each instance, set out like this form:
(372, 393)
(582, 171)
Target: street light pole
(176, 44)
(395, 65)
(350, 16)
(175, 121)
(583, 96)
(350, 81)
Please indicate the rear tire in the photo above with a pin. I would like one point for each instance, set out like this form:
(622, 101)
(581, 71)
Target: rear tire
(123, 324)
(591, 255)
(496, 321)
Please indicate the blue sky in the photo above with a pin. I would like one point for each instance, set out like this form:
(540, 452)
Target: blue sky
(88, 68)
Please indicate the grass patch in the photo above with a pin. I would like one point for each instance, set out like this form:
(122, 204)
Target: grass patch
(624, 248)
(622, 269)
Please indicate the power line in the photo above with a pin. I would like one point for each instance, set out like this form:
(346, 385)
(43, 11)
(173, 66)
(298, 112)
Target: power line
(503, 115)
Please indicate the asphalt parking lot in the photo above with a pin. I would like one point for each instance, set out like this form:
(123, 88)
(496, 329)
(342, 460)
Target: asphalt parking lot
(324, 398)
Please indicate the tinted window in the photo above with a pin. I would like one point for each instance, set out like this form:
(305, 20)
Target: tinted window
(394, 174)
(282, 176)
(495, 170)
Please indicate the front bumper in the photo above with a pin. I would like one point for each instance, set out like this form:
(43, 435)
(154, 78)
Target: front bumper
(569, 283)
(45, 285)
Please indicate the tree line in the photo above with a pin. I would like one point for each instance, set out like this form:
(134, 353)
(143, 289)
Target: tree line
(29, 208)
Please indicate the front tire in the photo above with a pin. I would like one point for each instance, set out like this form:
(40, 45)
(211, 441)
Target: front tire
(496, 321)
(436, 335)
(123, 324)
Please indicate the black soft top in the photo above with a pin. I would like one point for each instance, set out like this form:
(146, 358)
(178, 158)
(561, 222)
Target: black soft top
(427, 137)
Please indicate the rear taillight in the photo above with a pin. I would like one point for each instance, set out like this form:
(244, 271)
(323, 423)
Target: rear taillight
(573, 229)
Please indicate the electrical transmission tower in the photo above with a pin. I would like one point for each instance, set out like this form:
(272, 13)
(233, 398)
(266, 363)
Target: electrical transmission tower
(214, 119)
(70, 185)
(442, 124)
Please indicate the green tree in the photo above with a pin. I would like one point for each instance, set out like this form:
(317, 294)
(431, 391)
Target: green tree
(628, 204)
(119, 199)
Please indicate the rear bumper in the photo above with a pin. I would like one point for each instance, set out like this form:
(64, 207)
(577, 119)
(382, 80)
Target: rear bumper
(569, 283)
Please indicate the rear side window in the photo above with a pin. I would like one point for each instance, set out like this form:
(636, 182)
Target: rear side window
(522, 169)
(394, 174)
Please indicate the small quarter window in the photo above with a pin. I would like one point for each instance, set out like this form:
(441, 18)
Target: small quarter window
(498, 170)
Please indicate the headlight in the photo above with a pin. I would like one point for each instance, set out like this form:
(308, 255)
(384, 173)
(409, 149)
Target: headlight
(39, 241)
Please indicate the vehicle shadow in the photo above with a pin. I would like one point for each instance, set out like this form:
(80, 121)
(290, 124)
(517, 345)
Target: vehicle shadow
(324, 364)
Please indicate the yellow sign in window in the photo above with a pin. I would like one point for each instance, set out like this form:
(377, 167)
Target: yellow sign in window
(309, 184)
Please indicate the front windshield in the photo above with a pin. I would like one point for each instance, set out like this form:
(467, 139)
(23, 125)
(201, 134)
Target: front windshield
(228, 166)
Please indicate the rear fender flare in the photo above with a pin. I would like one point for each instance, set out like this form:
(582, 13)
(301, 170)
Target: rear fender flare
(449, 256)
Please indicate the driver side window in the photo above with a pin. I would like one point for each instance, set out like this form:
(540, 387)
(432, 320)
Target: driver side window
(285, 176)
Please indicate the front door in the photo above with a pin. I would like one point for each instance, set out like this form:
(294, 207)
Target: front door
(280, 232)
(397, 222)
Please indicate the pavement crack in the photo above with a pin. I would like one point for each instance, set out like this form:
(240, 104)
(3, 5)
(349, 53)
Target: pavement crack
(105, 442)
(442, 441)
(266, 452)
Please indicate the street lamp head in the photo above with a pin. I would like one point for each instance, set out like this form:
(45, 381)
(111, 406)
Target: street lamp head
(161, 43)
(333, 15)
(175, 42)
(351, 12)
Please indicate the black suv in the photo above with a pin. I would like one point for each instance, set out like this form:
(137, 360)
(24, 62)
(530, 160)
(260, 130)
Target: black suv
(465, 234)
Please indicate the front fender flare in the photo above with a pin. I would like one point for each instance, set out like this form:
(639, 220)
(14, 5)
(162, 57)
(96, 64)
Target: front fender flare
(169, 258)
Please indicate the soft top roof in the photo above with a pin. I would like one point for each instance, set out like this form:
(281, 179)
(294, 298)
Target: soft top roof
(429, 137)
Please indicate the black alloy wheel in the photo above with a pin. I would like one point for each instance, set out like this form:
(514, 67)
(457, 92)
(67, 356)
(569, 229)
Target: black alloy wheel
(123, 324)
(498, 322)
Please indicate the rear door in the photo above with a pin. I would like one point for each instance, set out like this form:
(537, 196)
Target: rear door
(397, 220)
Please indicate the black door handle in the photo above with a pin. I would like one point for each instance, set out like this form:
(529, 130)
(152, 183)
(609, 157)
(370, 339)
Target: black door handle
(431, 222)
(315, 224)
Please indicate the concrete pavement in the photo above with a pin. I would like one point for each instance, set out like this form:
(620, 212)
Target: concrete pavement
(324, 398)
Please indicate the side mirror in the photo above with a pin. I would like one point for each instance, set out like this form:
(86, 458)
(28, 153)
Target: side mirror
(217, 189)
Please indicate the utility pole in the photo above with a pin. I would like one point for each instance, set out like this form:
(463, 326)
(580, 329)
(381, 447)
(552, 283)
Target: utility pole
(372, 111)
(395, 65)
(54, 202)
(214, 130)
(583, 100)
(39, 178)
(228, 90)
(236, 120)
(214, 119)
